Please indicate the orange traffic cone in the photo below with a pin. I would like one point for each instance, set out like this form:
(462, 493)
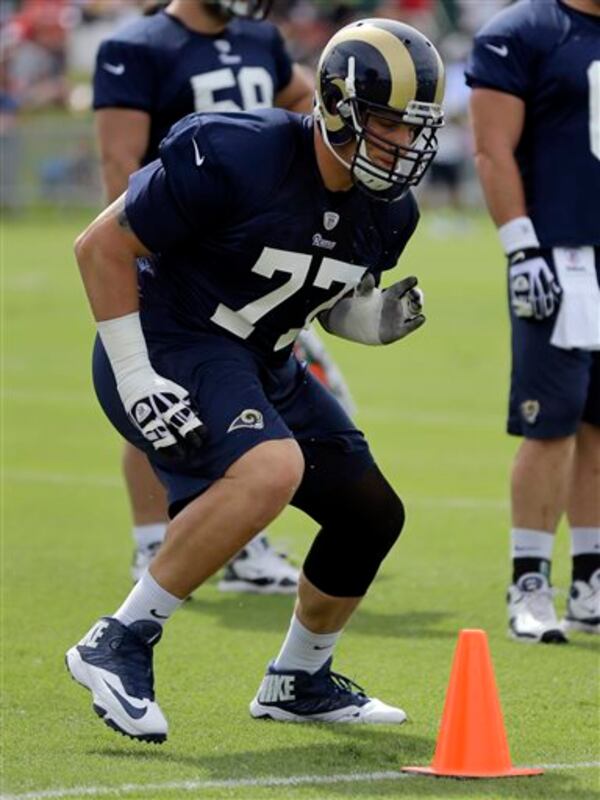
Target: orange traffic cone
(472, 741)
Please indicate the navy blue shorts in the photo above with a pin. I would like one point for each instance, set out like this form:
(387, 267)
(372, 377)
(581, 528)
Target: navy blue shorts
(552, 390)
(243, 403)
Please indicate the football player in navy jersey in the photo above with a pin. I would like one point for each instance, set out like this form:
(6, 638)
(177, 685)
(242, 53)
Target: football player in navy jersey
(535, 73)
(247, 227)
(192, 55)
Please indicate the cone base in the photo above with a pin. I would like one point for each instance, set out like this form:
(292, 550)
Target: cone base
(512, 772)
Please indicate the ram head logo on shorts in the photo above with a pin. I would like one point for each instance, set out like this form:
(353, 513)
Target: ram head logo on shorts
(249, 418)
(530, 410)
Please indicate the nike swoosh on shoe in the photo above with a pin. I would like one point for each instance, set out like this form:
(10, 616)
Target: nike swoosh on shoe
(133, 711)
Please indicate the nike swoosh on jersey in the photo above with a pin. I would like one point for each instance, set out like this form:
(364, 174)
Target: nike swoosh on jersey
(114, 69)
(199, 159)
(133, 711)
(500, 50)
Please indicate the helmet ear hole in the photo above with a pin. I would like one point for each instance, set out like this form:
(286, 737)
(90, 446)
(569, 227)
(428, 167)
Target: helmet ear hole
(331, 97)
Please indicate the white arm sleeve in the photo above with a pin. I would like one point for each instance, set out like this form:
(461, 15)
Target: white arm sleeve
(125, 345)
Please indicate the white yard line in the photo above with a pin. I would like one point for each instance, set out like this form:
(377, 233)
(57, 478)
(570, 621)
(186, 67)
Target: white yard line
(195, 786)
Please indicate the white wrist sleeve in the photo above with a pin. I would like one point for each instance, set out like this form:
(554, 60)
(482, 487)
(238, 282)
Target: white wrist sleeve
(518, 234)
(125, 346)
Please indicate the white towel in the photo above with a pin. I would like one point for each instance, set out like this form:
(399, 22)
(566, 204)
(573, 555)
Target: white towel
(578, 319)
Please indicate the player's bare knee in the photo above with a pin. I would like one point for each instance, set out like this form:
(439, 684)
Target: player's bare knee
(272, 472)
(282, 475)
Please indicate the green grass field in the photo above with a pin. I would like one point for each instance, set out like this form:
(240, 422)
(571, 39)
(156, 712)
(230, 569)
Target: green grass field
(433, 407)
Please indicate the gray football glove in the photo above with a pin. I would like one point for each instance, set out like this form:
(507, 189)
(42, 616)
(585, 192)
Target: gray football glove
(374, 316)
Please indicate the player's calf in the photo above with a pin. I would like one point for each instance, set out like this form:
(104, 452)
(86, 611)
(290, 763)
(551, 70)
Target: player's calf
(360, 523)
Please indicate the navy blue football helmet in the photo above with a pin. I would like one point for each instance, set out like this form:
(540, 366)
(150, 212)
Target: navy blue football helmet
(381, 68)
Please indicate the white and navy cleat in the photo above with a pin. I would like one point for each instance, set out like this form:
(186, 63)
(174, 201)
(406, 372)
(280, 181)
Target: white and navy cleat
(531, 613)
(142, 558)
(583, 606)
(114, 662)
(324, 696)
(259, 569)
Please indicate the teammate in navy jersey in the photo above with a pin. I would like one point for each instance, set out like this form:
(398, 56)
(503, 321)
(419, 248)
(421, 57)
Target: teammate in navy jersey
(535, 73)
(249, 226)
(193, 56)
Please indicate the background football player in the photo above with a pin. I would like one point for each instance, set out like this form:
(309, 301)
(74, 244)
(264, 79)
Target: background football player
(185, 56)
(535, 70)
(197, 367)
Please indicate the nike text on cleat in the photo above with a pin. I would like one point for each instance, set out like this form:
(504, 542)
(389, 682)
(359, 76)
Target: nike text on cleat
(531, 614)
(259, 569)
(583, 606)
(297, 696)
(114, 662)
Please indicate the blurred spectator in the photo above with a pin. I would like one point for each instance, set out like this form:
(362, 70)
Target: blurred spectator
(418, 13)
(65, 177)
(307, 25)
(472, 15)
(9, 142)
(34, 45)
(451, 166)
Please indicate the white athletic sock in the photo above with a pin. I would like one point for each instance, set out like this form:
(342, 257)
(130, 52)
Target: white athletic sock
(304, 650)
(147, 600)
(585, 540)
(146, 535)
(527, 543)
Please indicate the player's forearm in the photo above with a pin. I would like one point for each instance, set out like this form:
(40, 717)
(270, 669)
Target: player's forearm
(106, 253)
(502, 185)
(303, 104)
(122, 135)
(115, 174)
(299, 95)
(110, 280)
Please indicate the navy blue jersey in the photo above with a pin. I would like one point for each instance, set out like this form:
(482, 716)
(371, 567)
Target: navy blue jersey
(247, 240)
(158, 65)
(549, 55)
